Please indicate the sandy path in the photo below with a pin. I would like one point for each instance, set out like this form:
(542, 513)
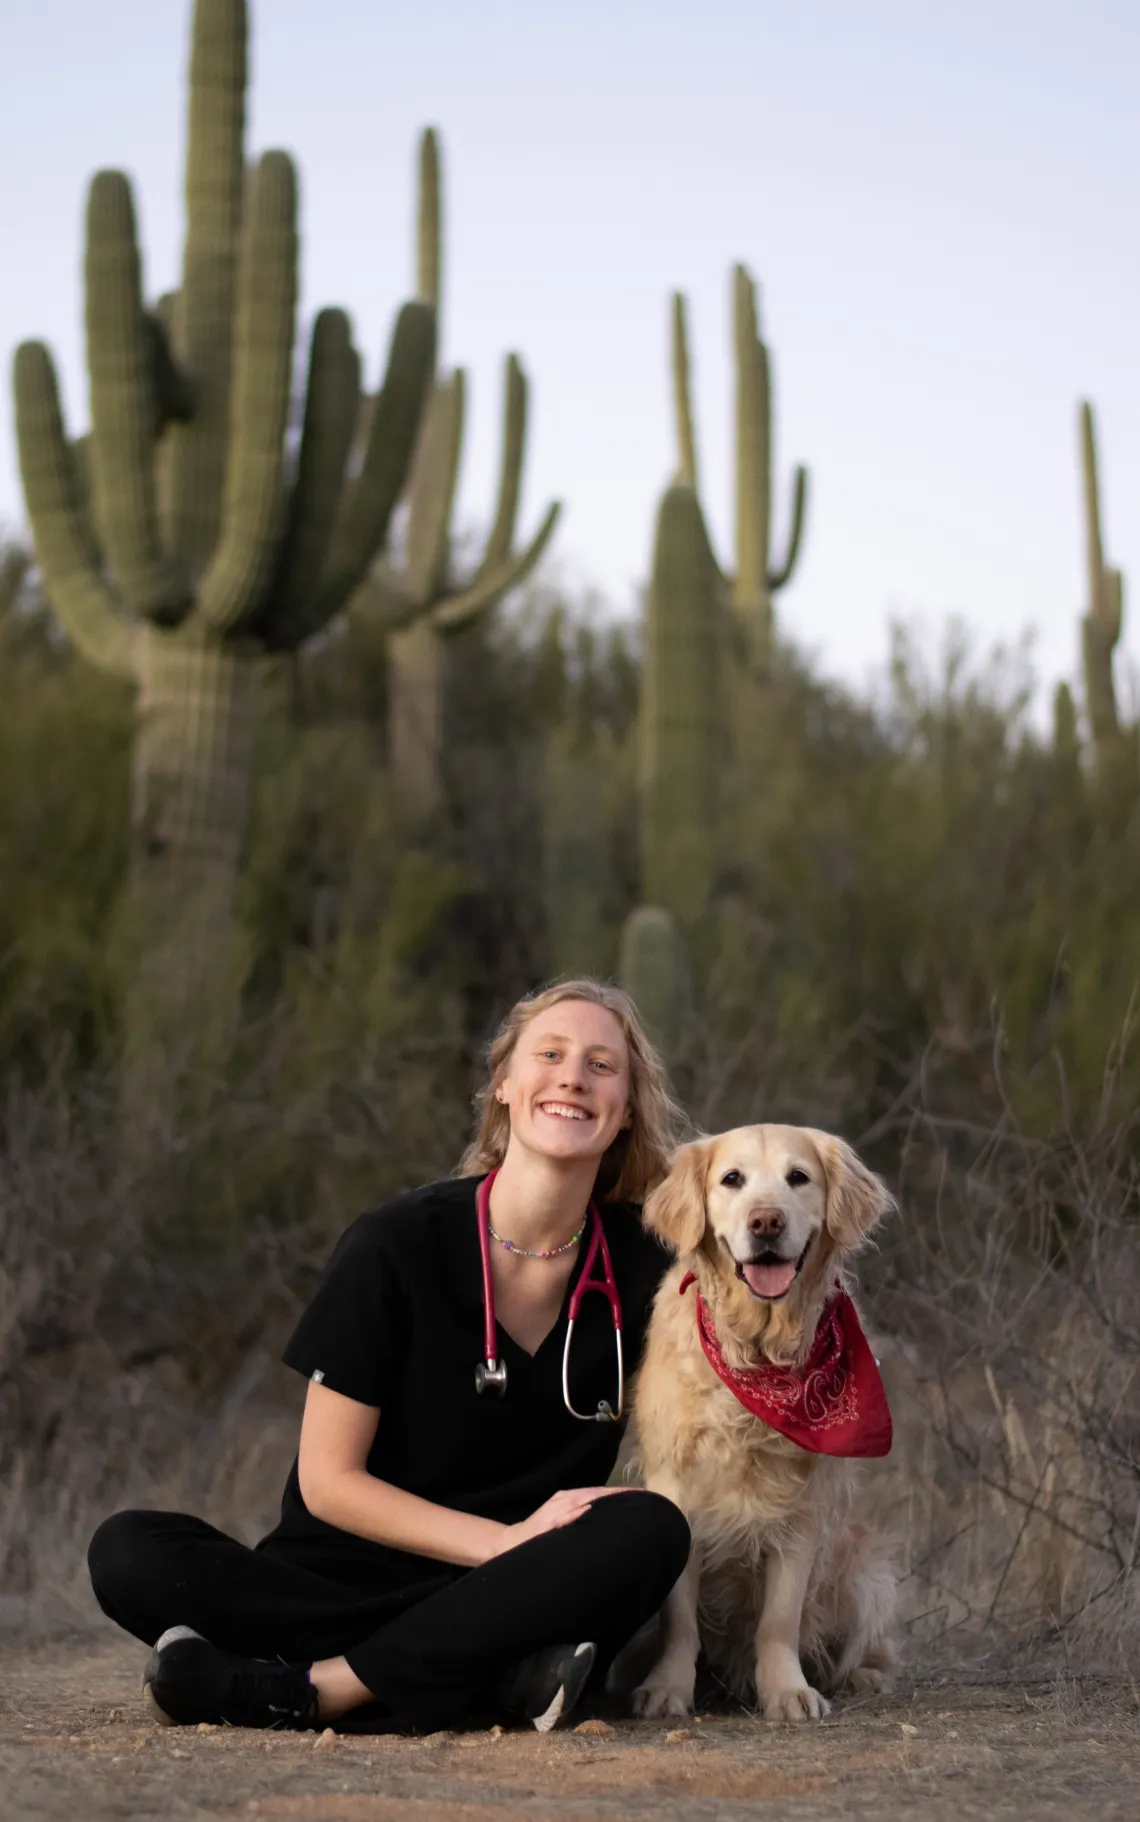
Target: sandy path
(74, 1747)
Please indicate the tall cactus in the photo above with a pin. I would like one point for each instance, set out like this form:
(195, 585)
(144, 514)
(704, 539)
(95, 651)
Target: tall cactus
(1101, 624)
(418, 601)
(680, 728)
(757, 576)
(178, 542)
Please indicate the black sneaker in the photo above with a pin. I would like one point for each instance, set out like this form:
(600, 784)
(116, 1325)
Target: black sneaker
(188, 1680)
(547, 1686)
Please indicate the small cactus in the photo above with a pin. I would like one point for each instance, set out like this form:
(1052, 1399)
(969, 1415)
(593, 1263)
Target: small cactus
(417, 600)
(654, 972)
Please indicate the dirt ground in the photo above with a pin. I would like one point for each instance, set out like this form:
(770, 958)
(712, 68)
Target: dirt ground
(75, 1745)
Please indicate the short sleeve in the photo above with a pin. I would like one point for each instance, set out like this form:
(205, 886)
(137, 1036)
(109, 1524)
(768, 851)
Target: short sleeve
(349, 1337)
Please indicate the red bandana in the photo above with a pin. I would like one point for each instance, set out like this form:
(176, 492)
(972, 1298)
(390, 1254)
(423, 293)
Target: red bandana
(832, 1405)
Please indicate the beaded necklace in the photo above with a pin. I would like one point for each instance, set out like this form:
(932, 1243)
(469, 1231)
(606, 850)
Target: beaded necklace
(509, 1246)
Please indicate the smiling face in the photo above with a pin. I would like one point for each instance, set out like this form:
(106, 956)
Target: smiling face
(766, 1215)
(766, 1205)
(567, 1083)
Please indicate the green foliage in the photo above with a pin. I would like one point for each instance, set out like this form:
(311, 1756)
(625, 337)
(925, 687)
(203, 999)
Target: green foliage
(921, 899)
(64, 745)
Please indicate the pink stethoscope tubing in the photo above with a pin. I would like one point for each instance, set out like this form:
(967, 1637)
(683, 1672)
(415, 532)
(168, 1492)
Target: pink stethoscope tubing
(491, 1373)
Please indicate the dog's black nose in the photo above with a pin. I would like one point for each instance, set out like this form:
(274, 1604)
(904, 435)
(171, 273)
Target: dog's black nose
(767, 1223)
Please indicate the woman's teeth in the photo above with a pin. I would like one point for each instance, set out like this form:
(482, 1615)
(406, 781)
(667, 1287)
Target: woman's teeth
(562, 1112)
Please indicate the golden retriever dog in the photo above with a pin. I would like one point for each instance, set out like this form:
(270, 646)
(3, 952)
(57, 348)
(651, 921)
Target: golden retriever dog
(764, 1220)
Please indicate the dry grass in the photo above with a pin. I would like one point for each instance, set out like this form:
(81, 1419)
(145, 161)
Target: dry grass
(135, 1372)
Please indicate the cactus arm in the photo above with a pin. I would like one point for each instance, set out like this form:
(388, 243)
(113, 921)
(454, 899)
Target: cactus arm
(395, 420)
(384, 602)
(782, 574)
(173, 394)
(123, 406)
(490, 587)
(332, 405)
(502, 537)
(239, 574)
(1101, 624)
(753, 455)
(431, 489)
(193, 467)
(429, 236)
(682, 395)
(1093, 542)
(65, 542)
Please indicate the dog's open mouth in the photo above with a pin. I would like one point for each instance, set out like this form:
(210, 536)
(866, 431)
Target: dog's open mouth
(769, 1276)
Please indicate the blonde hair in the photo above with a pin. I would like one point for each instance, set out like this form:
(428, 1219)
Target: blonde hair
(642, 1153)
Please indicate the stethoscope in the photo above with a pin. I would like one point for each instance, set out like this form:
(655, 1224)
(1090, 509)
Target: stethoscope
(491, 1373)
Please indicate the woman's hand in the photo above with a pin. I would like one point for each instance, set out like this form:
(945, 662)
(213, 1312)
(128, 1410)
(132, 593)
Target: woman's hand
(560, 1509)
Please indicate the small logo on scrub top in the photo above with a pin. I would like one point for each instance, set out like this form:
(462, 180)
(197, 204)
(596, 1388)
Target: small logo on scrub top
(318, 1377)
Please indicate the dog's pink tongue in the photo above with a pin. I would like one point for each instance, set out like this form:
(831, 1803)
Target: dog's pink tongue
(770, 1280)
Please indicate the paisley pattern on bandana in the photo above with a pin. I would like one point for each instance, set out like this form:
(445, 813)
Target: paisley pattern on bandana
(835, 1404)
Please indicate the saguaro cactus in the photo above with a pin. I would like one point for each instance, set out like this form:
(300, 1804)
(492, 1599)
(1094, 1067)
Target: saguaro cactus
(680, 732)
(418, 601)
(757, 577)
(654, 971)
(178, 543)
(1101, 624)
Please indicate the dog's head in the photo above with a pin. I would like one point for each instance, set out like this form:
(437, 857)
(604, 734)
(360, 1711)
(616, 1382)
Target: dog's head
(773, 1210)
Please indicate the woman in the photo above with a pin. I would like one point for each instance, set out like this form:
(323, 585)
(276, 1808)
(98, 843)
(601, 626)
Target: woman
(442, 1553)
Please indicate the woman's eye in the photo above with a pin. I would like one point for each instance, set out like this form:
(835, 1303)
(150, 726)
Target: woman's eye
(795, 1177)
(732, 1179)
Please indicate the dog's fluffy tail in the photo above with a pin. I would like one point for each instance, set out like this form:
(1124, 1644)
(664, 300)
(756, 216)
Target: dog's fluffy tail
(850, 1618)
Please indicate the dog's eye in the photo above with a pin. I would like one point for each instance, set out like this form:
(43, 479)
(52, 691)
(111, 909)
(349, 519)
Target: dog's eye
(795, 1177)
(732, 1179)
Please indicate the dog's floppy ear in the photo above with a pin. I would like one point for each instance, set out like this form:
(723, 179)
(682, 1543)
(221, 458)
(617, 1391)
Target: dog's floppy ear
(676, 1208)
(857, 1200)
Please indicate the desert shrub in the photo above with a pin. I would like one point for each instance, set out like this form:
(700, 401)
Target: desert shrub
(64, 754)
(924, 935)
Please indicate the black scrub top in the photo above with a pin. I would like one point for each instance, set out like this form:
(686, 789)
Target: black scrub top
(397, 1322)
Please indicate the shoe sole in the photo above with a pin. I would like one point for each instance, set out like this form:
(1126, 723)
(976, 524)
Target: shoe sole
(568, 1691)
(149, 1699)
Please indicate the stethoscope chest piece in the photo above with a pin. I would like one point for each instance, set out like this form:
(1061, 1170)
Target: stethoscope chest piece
(491, 1376)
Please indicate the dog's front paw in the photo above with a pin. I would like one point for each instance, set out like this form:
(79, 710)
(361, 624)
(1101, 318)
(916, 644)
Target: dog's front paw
(656, 1702)
(803, 1704)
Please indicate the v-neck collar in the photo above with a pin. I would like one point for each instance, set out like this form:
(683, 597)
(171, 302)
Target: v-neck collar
(560, 1320)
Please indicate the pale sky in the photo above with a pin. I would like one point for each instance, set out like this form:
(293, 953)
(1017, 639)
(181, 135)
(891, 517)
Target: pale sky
(941, 203)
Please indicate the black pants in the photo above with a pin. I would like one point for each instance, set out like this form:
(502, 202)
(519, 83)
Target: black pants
(430, 1654)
